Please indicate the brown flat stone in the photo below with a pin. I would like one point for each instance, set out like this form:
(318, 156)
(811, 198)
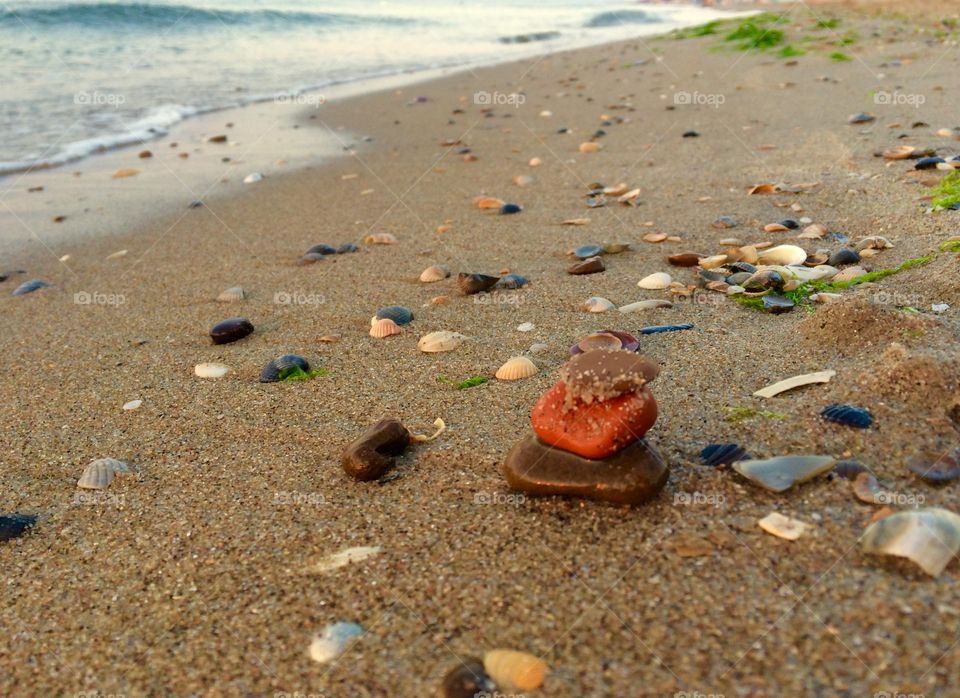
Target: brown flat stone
(633, 476)
(591, 265)
(370, 456)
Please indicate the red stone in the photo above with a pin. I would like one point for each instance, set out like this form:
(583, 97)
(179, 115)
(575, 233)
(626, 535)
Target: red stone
(595, 430)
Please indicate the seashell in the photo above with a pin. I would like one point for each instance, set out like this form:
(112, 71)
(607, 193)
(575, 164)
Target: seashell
(440, 341)
(718, 286)
(587, 251)
(861, 118)
(898, 152)
(781, 526)
(849, 469)
(381, 239)
(589, 147)
(591, 265)
(232, 295)
(575, 221)
(397, 313)
(630, 198)
(814, 231)
(762, 189)
(657, 329)
(15, 525)
(100, 473)
(230, 330)
(685, 259)
(734, 290)
(824, 297)
(617, 190)
(210, 370)
(514, 671)
(523, 180)
(655, 282)
(132, 405)
(509, 209)
(475, 283)
(777, 304)
(517, 368)
(599, 340)
(724, 222)
(843, 257)
(936, 468)
(253, 178)
(537, 348)
(646, 305)
(818, 258)
(731, 242)
(596, 201)
(737, 279)
(126, 172)
(329, 338)
(763, 280)
(596, 304)
(512, 281)
(873, 242)
(749, 254)
(929, 163)
(775, 228)
(716, 455)
(488, 202)
(467, 679)
(713, 262)
(348, 247)
(848, 415)
(333, 641)
(311, 258)
(535, 162)
(743, 266)
(437, 272)
(849, 274)
(526, 327)
(116, 255)
(928, 537)
(344, 558)
(782, 472)
(782, 254)
(281, 366)
(439, 300)
(655, 237)
(795, 382)
(867, 489)
(322, 248)
(384, 327)
(29, 287)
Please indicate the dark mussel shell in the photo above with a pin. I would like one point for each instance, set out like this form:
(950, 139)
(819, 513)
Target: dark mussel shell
(777, 304)
(657, 329)
(592, 265)
(475, 283)
(843, 257)
(928, 163)
(322, 248)
(273, 371)
(512, 281)
(311, 258)
(587, 251)
(29, 287)
(848, 415)
(508, 209)
(789, 223)
(716, 455)
(743, 266)
(764, 280)
(628, 341)
(691, 134)
(231, 330)
(849, 469)
(348, 247)
(15, 525)
(936, 468)
(738, 279)
(397, 313)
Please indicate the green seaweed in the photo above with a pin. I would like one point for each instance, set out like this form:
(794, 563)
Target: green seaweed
(741, 414)
(950, 246)
(463, 385)
(700, 30)
(831, 23)
(295, 373)
(947, 193)
(790, 51)
(839, 57)
(751, 34)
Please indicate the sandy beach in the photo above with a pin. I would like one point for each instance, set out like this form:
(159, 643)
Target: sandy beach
(197, 574)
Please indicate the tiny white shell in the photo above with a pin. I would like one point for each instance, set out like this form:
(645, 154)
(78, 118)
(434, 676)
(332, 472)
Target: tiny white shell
(795, 382)
(253, 178)
(132, 405)
(781, 526)
(209, 370)
(517, 368)
(117, 254)
(526, 327)
(440, 341)
(100, 473)
(333, 641)
(657, 281)
(384, 327)
(597, 304)
(232, 295)
(344, 558)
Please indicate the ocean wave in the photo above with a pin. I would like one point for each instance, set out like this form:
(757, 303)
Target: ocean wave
(152, 16)
(617, 17)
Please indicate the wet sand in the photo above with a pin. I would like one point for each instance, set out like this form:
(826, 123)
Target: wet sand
(192, 577)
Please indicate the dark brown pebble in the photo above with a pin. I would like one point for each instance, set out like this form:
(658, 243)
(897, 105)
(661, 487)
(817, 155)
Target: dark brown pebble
(685, 259)
(592, 265)
(467, 679)
(371, 455)
(475, 283)
(843, 257)
(633, 476)
(231, 330)
(936, 468)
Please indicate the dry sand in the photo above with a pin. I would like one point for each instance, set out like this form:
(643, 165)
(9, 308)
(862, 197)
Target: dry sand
(190, 578)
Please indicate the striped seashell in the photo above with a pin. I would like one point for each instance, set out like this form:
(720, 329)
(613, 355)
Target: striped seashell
(517, 368)
(441, 341)
(381, 239)
(100, 473)
(514, 671)
(655, 282)
(437, 272)
(384, 327)
(210, 370)
(232, 295)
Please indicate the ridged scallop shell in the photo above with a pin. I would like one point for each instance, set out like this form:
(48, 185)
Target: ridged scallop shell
(928, 537)
(514, 671)
(443, 340)
(381, 239)
(517, 368)
(232, 295)
(783, 254)
(656, 281)
(596, 304)
(211, 370)
(385, 327)
(100, 473)
(437, 272)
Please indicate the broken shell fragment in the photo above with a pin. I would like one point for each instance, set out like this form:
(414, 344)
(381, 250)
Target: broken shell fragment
(100, 473)
(716, 455)
(333, 641)
(517, 368)
(867, 489)
(898, 152)
(514, 671)
(795, 382)
(873, 242)
(814, 231)
(475, 283)
(592, 265)
(781, 526)
(210, 370)
(782, 472)
(928, 537)
(441, 341)
(15, 525)
(848, 415)
(384, 327)
(656, 281)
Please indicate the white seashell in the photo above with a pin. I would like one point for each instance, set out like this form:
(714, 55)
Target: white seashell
(822, 271)
(651, 304)
(344, 558)
(781, 526)
(782, 254)
(211, 370)
(65, 258)
(824, 297)
(253, 178)
(232, 295)
(117, 255)
(437, 272)
(100, 473)
(782, 472)
(596, 304)
(814, 231)
(929, 537)
(538, 348)
(132, 405)
(514, 671)
(658, 281)
(333, 641)
(384, 327)
(795, 382)
(734, 290)
(441, 341)
(713, 262)
(517, 368)
(526, 327)
(849, 274)
(381, 239)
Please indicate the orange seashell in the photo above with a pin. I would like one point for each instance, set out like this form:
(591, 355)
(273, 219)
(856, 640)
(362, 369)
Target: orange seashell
(535, 162)
(655, 237)
(514, 671)
(439, 300)
(384, 328)
(775, 228)
(487, 202)
(381, 239)
(517, 368)
(129, 172)
(470, 157)
(898, 152)
(763, 189)
(589, 147)
(443, 228)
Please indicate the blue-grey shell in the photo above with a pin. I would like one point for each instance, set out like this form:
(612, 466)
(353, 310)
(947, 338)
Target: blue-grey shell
(347, 247)
(397, 313)
(271, 372)
(722, 454)
(322, 248)
(15, 525)
(587, 251)
(512, 281)
(29, 287)
(848, 415)
(656, 329)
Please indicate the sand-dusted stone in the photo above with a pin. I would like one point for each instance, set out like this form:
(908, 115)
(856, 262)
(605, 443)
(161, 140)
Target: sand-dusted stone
(633, 476)
(591, 265)
(371, 455)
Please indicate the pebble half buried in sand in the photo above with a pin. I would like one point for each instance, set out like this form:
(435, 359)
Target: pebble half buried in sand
(15, 525)
(231, 330)
(373, 453)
